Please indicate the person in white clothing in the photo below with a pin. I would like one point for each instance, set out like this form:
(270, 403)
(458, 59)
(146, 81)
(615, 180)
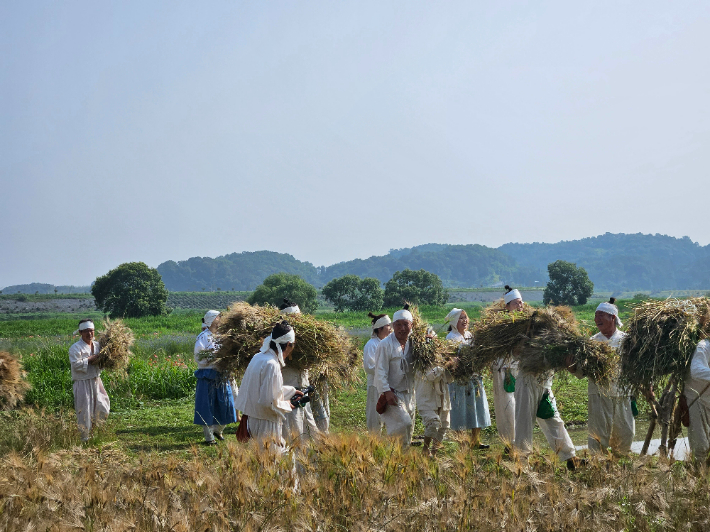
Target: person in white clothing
(611, 419)
(381, 329)
(469, 404)
(394, 377)
(91, 401)
(697, 394)
(263, 399)
(504, 372)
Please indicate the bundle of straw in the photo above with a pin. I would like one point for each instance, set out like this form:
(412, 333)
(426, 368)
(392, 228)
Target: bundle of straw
(13, 385)
(325, 350)
(662, 337)
(427, 352)
(116, 341)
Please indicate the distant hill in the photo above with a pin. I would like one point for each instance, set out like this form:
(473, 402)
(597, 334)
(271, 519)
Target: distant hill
(43, 288)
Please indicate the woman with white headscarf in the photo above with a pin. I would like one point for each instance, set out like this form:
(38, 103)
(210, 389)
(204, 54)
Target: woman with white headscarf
(381, 329)
(214, 401)
(469, 405)
(91, 401)
(263, 399)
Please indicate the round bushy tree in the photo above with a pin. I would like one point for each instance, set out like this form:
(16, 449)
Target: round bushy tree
(569, 285)
(349, 292)
(278, 286)
(420, 287)
(131, 290)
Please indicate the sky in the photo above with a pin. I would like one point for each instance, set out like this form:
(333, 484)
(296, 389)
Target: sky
(154, 131)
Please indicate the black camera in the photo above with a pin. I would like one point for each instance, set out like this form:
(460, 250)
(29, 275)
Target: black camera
(304, 399)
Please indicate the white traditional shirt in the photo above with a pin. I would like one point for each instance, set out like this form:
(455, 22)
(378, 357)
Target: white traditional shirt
(294, 377)
(205, 342)
(455, 336)
(79, 354)
(613, 390)
(262, 394)
(699, 376)
(393, 368)
(432, 389)
(368, 359)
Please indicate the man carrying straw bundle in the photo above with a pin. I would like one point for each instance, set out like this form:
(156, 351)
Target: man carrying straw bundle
(91, 401)
(381, 329)
(214, 401)
(394, 378)
(697, 395)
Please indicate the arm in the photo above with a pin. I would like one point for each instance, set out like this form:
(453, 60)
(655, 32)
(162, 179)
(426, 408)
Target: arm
(78, 364)
(434, 374)
(699, 366)
(271, 392)
(368, 357)
(382, 368)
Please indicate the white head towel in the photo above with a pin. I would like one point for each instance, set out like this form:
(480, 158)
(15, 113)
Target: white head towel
(513, 294)
(289, 337)
(610, 308)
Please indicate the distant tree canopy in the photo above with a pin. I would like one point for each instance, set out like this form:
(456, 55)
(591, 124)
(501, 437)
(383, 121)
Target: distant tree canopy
(131, 290)
(278, 286)
(569, 285)
(420, 287)
(349, 292)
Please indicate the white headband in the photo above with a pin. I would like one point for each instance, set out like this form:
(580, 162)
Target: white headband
(83, 326)
(291, 310)
(289, 337)
(610, 309)
(403, 314)
(453, 316)
(384, 320)
(513, 294)
(210, 315)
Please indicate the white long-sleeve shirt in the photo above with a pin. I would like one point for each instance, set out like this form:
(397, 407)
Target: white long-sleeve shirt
(699, 376)
(368, 359)
(79, 354)
(262, 394)
(393, 368)
(613, 390)
(205, 342)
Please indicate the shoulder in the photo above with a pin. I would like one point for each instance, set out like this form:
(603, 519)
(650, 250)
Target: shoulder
(372, 343)
(599, 337)
(75, 347)
(454, 335)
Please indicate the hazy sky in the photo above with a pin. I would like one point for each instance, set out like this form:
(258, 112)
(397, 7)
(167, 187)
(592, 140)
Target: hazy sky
(149, 131)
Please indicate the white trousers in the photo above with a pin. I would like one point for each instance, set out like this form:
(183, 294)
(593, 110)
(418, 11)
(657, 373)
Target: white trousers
(399, 419)
(528, 394)
(611, 423)
(91, 403)
(374, 420)
(299, 423)
(504, 406)
(267, 433)
(436, 423)
(210, 430)
(699, 429)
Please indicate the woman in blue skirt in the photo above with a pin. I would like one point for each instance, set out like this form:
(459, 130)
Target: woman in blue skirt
(214, 402)
(469, 405)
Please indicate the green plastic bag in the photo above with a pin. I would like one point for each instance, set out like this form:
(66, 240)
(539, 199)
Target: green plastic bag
(509, 381)
(546, 409)
(634, 407)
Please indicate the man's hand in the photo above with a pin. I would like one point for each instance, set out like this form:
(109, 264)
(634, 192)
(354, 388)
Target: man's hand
(391, 398)
(569, 362)
(92, 359)
(297, 395)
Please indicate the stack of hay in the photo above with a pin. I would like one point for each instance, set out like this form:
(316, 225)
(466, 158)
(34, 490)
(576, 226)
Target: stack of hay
(116, 341)
(327, 351)
(428, 352)
(662, 337)
(13, 385)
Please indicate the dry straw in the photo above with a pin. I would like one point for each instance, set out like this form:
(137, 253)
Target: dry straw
(13, 385)
(427, 352)
(662, 337)
(116, 341)
(324, 349)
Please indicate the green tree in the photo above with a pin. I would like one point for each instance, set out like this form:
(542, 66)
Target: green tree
(278, 286)
(131, 290)
(419, 287)
(349, 292)
(568, 284)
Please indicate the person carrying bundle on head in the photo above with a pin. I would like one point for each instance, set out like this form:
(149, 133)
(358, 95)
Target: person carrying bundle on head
(611, 418)
(381, 329)
(469, 405)
(91, 401)
(214, 400)
(263, 399)
(697, 397)
(394, 378)
(299, 421)
(504, 371)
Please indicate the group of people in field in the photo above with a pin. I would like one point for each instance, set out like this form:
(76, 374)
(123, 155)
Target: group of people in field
(273, 412)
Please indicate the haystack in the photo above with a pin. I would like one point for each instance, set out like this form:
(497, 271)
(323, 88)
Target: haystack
(116, 341)
(13, 384)
(326, 351)
(662, 337)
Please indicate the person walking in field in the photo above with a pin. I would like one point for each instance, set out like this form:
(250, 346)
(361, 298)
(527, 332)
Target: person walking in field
(381, 329)
(91, 401)
(469, 405)
(263, 399)
(697, 396)
(394, 378)
(214, 400)
(611, 418)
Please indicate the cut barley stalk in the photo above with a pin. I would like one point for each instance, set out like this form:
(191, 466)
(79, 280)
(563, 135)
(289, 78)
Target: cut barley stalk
(116, 341)
(13, 383)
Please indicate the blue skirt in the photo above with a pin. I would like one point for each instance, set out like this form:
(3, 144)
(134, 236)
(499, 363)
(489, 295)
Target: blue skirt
(214, 404)
(469, 406)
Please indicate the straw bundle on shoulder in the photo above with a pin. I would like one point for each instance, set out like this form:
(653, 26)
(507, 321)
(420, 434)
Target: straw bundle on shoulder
(427, 352)
(324, 349)
(661, 339)
(13, 384)
(116, 341)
